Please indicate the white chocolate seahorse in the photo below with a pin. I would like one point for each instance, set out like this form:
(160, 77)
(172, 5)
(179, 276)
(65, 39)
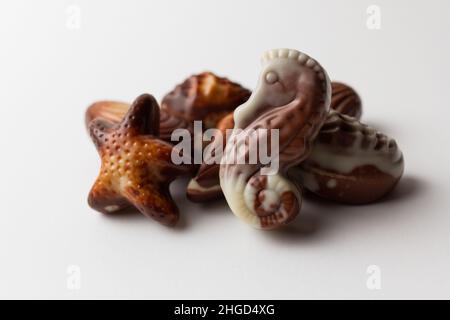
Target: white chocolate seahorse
(293, 96)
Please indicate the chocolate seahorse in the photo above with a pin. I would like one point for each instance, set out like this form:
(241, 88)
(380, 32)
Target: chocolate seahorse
(205, 186)
(350, 163)
(292, 96)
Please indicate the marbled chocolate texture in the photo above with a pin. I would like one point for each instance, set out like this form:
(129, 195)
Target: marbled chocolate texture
(345, 100)
(343, 174)
(351, 162)
(293, 96)
(205, 186)
(205, 97)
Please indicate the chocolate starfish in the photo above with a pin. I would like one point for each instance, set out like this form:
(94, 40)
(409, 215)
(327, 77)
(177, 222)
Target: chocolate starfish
(136, 166)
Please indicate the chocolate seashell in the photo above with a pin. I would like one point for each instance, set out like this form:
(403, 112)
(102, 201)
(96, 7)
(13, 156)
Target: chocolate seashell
(205, 97)
(111, 111)
(345, 100)
(351, 162)
(168, 123)
(205, 186)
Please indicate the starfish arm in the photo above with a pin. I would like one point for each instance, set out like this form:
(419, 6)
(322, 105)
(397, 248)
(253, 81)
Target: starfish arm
(160, 155)
(143, 116)
(99, 130)
(153, 203)
(105, 200)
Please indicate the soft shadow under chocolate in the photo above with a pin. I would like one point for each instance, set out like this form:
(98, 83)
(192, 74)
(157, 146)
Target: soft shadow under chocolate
(318, 216)
(408, 187)
(313, 221)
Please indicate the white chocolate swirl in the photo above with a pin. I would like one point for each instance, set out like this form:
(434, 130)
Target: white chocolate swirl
(293, 96)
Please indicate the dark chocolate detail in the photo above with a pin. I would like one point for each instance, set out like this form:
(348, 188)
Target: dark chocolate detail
(345, 100)
(206, 97)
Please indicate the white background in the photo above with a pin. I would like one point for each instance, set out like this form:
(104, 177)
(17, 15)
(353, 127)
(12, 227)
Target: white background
(50, 73)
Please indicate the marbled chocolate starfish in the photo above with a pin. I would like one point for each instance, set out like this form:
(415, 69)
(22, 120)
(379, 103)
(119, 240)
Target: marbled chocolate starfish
(136, 166)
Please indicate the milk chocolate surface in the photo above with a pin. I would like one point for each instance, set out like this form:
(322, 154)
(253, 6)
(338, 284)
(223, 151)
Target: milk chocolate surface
(136, 165)
(292, 96)
(205, 185)
(351, 162)
(345, 100)
(205, 97)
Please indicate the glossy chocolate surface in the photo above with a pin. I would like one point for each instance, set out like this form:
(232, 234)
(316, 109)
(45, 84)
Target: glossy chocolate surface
(293, 97)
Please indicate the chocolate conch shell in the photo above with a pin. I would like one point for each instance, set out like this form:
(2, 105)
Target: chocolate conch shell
(351, 162)
(292, 97)
(205, 97)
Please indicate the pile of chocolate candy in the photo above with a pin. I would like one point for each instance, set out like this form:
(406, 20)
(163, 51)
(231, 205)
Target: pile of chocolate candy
(323, 148)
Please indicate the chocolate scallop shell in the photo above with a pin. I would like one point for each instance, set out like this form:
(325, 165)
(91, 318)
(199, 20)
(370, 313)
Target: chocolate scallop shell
(111, 111)
(345, 100)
